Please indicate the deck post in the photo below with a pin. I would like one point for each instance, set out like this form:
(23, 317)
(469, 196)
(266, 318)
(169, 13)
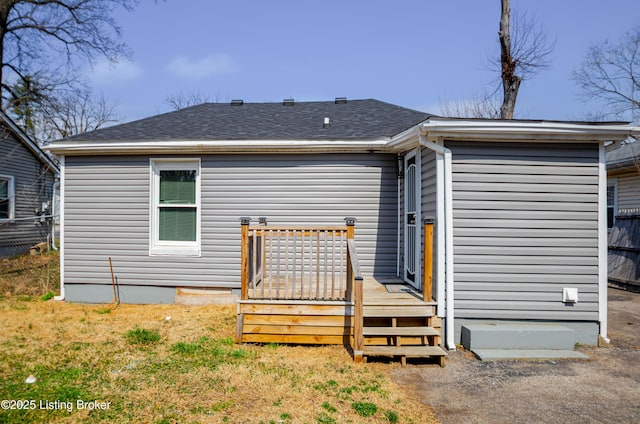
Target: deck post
(358, 325)
(244, 257)
(427, 281)
(351, 222)
(355, 293)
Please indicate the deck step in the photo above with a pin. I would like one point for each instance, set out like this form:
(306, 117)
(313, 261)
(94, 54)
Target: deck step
(391, 301)
(396, 311)
(408, 351)
(400, 331)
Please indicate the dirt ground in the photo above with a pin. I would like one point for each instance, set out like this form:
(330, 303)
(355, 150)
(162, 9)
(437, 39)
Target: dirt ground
(605, 389)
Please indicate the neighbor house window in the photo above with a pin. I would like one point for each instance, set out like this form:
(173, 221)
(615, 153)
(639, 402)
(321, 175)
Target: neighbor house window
(175, 207)
(7, 203)
(612, 202)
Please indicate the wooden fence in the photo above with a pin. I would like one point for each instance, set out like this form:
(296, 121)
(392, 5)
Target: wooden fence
(624, 250)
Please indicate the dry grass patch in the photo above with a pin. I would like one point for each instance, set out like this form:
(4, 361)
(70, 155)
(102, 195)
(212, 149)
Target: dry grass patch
(30, 275)
(170, 363)
(192, 371)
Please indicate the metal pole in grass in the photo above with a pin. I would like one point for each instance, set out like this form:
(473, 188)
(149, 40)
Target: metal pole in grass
(113, 283)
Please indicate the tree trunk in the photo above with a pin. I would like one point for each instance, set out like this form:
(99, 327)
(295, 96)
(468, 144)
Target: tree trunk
(510, 81)
(5, 8)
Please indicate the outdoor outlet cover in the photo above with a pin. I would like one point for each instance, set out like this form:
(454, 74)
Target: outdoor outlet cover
(570, 295)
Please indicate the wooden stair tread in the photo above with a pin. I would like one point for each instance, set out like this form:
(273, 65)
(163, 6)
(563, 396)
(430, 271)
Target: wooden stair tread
(384, 311)
(397, 302)
(400, 331)
(408, 351)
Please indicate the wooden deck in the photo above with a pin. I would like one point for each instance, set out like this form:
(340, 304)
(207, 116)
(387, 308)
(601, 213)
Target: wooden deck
(303, 285)
(396, 323)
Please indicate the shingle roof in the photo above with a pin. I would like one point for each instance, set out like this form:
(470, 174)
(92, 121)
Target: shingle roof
(355, 119)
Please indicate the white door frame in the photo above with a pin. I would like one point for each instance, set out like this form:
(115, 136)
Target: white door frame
(411, 269)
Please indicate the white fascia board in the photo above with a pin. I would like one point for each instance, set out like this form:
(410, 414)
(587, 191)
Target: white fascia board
(215, 146)
(513, 131)
(525, 130)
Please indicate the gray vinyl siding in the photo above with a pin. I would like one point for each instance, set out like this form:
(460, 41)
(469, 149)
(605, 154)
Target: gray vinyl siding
(33, 184)
(429, 202)
(107, 213)
(525, 226)
(629, 191)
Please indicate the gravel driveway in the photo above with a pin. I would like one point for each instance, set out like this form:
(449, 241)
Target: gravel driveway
(605, 389)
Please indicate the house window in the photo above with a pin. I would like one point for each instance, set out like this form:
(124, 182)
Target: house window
(7, 202)
(175, 207)
(612, 202)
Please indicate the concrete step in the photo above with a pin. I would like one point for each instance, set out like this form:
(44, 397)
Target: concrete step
(205, 296)
(477, 337)
(400, 331)
(532, 354)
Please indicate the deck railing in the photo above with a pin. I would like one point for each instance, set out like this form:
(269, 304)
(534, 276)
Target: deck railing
(296, 262)
(356, 282)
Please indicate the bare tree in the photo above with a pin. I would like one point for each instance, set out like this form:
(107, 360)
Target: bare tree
(72, 113)
(610, 72)
(46, 40)
(485, 106)
(524, 52)
(182, 99)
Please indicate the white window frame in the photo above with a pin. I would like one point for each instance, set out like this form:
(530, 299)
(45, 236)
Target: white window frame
(11, 192)
(164, 247)
(613, 182)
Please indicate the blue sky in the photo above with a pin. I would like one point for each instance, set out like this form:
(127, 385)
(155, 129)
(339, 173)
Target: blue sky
(413, 53)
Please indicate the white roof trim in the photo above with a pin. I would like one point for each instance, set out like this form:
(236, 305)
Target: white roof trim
(461, 129)
(511, 131)
(525, 129)
(215, 146)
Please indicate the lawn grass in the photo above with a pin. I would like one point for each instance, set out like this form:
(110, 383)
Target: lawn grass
(179, 364)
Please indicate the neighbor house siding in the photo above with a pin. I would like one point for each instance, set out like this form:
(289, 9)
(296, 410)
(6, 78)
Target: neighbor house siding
(525, 226)
(33, 184)
(107, 213)
(629, 191)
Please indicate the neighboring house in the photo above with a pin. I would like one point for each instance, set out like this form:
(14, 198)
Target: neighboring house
(623, 206)
(520, 211)
(27, 179)
(623, 178)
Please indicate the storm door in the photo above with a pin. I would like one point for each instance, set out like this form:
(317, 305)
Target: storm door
(411, 219)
